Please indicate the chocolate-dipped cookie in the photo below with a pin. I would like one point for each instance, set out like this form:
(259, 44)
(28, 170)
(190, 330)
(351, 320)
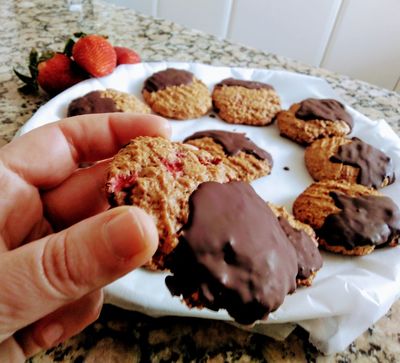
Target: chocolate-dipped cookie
(246, 268)
(108, 100)
(245, 102)
(314, 119)
(304, 241)
(176, 94)
(243, 159)
(353, 160)
(348, 218)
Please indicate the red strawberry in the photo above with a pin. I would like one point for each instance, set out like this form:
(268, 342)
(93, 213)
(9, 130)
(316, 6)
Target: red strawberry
(58, 73)
(95, 55)
(126, 56)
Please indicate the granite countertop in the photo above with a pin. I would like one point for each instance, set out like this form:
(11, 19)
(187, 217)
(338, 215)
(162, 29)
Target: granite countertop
(122, 336)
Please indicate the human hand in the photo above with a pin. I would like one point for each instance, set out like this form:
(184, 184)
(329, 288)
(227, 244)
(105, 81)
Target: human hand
(58, 244)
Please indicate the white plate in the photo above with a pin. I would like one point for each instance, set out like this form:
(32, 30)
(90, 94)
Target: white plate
(348, 294)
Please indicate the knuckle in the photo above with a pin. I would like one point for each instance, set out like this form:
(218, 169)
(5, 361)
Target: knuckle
(57, 268)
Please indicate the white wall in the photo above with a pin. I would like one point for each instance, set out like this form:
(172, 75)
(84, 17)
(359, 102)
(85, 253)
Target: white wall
(298, 29)
(366, 41)
(360, 38)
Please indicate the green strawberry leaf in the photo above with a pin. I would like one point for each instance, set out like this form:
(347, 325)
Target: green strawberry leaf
(46, 55)
(33, 56)
(23, 77)
(31, 85)
(29, 88)
(68, 47)
(33, 63)
(79, 34)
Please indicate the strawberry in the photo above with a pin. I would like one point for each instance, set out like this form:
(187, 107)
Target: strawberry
(95, 55)
(126, 56)
(58, 73)
(53, 72)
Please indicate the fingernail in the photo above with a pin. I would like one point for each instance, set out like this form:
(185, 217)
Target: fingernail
(125, 233)
(52, 334)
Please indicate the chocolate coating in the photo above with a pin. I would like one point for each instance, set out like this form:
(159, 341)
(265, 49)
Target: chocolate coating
(242, 83)
(375, 166)
(167, 78)
(232, 253)
(309, 259)
(233, 143)
(93, 102)
(323, 109)
(365, 220)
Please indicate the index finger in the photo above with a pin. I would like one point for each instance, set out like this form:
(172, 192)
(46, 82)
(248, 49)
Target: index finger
(46, 156)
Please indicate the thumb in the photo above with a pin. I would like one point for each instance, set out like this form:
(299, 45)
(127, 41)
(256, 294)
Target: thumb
(42, 276)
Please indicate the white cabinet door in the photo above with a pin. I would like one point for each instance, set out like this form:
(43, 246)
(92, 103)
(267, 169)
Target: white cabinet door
(299, 29)
(365, 43)
(211, 16)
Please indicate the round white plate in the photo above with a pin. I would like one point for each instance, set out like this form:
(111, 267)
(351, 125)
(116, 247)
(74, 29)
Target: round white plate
(348, 293)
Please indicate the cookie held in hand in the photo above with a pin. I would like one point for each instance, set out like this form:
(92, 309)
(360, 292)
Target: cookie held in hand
(158, 176)
(245, 102)
(176, 94)
(314, 119)
(349, 219)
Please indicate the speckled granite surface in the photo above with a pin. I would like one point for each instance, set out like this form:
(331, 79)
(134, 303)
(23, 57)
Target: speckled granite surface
(120, 336)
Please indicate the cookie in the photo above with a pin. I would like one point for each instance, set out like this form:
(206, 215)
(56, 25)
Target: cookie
(176, 94)
(243, 159)
(350, 219)
(245, 102)
(108, 100)
(159, 175)
(304, 241)
(353, 160)
(314, 119)
(246, 268)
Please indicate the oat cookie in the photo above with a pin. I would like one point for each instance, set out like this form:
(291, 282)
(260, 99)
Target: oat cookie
(338, 158)
(245, 102)
(243, 159)
(108, 100)
(176, 94)
(350, 219)
(304, 240)
(314, 119)
(246, 268)
(158, 176)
